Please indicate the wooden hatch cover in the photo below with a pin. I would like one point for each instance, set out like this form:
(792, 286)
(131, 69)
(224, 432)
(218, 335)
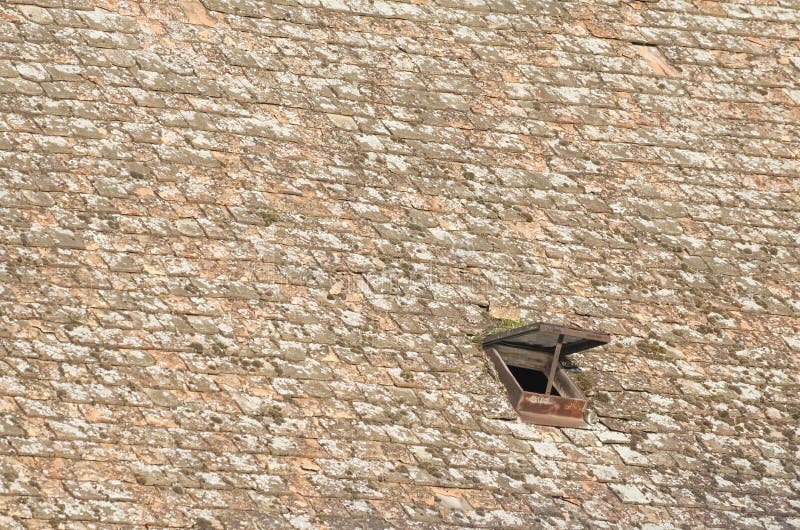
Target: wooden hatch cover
(539, 347)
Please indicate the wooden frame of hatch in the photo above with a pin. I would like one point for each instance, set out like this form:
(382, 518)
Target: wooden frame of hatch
(539, 347)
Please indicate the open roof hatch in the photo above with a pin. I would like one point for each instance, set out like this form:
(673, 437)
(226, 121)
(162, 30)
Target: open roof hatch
(527, 361)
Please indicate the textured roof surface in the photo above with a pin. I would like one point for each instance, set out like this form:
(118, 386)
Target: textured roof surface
(244, 248)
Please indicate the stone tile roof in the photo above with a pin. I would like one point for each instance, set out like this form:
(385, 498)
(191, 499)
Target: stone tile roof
(244, 247)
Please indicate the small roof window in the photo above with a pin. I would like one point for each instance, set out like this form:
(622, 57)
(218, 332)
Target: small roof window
(528, 361)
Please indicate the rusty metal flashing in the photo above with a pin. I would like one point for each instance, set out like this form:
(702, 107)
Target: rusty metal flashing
(539, 347)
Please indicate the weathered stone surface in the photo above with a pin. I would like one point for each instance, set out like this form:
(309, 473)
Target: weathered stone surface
(246, 247)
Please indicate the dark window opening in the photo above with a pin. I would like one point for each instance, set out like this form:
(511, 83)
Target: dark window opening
(531, 380)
